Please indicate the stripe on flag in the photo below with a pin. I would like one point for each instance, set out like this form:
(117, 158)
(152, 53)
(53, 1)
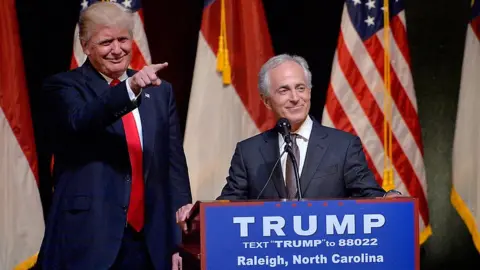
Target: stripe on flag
(357, 91)
(21, 215)
(221, 113)
(466, 146)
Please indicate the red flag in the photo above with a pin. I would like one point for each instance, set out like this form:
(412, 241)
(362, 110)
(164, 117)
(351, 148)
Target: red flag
(21, 215)
(233, 44)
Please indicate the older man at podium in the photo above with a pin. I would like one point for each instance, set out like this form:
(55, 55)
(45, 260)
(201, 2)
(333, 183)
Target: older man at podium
(298, 158)
(319, 162)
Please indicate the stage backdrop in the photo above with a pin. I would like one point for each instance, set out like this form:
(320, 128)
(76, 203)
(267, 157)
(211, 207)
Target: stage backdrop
(436, 34)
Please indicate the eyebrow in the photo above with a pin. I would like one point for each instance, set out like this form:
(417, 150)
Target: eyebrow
(111, 39)
(105, 40)
(288, 87)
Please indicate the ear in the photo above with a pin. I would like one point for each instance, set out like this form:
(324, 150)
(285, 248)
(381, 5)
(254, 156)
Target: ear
(85, 48)
(266, 101)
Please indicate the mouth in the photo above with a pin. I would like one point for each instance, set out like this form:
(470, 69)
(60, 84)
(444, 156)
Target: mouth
(295, 107)
(116, 61)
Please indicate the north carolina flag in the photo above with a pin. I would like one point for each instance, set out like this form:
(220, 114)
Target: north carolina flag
(225, 105)
(21, 215)
(465, 194)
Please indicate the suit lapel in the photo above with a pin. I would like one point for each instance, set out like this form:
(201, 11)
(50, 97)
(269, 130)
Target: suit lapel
(95, 82)
(315, 152)
(147, 113)
(270, 152)
(98, 85)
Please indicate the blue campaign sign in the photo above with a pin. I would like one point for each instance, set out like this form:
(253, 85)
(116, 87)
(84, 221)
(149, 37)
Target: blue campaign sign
(330, 234)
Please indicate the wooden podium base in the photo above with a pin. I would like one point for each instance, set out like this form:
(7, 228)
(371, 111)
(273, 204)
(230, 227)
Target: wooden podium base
(190, 260)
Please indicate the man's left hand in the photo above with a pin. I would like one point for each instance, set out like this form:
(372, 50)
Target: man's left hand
(394, 195)
(182, 215)
(176, 262)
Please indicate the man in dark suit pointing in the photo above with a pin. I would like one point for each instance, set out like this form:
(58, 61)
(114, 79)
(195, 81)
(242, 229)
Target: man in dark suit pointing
(120, 171)
(331, 163)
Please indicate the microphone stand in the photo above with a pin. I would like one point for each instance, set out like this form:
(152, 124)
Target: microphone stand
(288, 149)
(271, 174)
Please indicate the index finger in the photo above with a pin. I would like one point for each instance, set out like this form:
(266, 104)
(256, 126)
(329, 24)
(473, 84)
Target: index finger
(157, 67)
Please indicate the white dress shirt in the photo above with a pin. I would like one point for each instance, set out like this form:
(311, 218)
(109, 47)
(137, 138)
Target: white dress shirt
(302, 142)
(136, 113)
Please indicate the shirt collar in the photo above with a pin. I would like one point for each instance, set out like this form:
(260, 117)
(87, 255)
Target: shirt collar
(305, 129)
(303, 132)
(109, 80)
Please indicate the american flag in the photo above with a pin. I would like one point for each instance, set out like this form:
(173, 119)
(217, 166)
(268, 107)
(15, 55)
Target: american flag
(358, 99)
(140, 51)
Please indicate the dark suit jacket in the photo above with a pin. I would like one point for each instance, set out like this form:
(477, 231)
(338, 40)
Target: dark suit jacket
(93, 176)
(334, 167)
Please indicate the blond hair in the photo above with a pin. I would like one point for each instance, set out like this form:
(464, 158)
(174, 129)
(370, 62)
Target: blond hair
(103, 14)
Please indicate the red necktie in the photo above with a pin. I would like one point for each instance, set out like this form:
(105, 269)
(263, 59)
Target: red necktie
(135, 215)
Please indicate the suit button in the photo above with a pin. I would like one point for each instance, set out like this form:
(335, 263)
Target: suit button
(127, 178)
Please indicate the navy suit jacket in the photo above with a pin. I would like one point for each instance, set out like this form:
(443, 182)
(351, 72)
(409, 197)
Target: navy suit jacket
(334, 167)
(92, 171)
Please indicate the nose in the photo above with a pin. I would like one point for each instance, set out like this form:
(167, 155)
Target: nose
(294, 97)
(116, 47)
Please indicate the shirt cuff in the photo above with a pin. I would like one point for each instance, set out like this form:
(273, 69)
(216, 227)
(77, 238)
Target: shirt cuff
(132, 96)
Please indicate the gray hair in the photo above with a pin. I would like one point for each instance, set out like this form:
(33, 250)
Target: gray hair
(264, 80)
(103, 14)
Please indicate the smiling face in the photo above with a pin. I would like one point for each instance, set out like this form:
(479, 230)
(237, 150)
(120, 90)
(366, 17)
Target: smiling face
(289, 95)
(109, 49)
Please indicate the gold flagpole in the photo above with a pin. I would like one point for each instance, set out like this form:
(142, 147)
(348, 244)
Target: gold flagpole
(388, 180)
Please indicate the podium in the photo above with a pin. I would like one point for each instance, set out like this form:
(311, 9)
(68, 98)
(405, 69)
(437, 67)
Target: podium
(309, 234)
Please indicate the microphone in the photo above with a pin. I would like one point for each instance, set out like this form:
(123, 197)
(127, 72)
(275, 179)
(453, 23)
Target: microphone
(283, 126)
(271, 173)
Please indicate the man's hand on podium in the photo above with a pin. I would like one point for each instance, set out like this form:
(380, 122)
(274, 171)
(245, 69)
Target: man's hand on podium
(182, 215)
(176, 262)
(393, 194)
